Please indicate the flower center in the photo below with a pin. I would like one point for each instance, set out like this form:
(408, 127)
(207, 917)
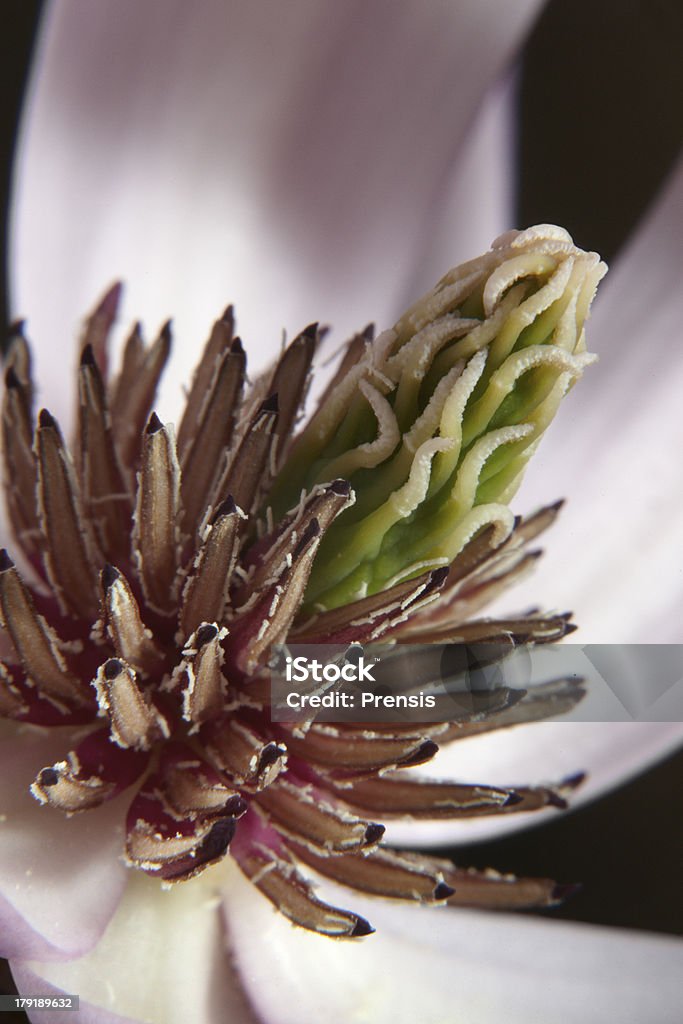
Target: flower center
(166, 567)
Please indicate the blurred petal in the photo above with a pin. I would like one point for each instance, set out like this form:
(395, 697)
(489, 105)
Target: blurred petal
(30, 983)
(60, 878)
(616, 554)
(434, 966)
(176, 936)
(223, 153)
(475, 202)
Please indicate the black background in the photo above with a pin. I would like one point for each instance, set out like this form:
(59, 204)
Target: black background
(611, 74)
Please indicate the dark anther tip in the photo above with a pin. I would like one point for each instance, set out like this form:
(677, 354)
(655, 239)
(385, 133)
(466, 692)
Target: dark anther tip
(271, 404)
(218, 839)
(513, 697)
(5, 561)
(236, 806)
(353, 652)
(110, 574)
(226, 508)
(573, 781)
(570, 627)
(11, 379)
(361, 928)
(166, 330)
(16, 329)
(110, 301)
(205, 633)
(442, 891)
(311, 331)
(237, 348)
(368, 332)
(88, 356)
(374, 833)
(565, 890)
(228, 314)
(341, 487)
(113, 668)
(48, 777)
(269, 755)
(425, 752)
(154, 424)
(512, 799)
(45, 419)
(555, 800)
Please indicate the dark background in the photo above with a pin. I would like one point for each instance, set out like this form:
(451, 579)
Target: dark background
(611, 74)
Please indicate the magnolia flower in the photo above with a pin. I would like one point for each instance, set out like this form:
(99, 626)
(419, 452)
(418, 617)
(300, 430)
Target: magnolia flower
(51, 913)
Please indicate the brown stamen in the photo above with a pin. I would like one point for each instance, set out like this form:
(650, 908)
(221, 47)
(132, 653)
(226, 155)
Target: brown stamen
(70, 555)
(157, 516)
(205, 594)
(132, 640)
(211, 439)
(36, 643)
(297, 812)
(135, 389)
(218, 342)
(133, 720)
(282, 884)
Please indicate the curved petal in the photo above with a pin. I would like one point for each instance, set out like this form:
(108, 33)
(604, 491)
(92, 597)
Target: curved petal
(290, 165)
(433, 966)
(475, 202)
(30, 983)
(60, 878)
(616, 552)
(176, 936)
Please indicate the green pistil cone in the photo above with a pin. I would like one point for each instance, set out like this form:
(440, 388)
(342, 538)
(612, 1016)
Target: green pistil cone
(433, 423)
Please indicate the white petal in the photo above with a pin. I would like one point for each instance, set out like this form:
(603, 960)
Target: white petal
(162, 959)
(476, 201)
(441, 966)
(31, 984)
(60, 878)
(222, 152)
(615, 555)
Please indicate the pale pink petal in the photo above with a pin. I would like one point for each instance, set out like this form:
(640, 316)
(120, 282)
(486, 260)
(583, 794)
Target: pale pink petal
(475, 202)
(60, 878)
(437, 966)
(220, 151)
(31, 984)
(162, 960)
